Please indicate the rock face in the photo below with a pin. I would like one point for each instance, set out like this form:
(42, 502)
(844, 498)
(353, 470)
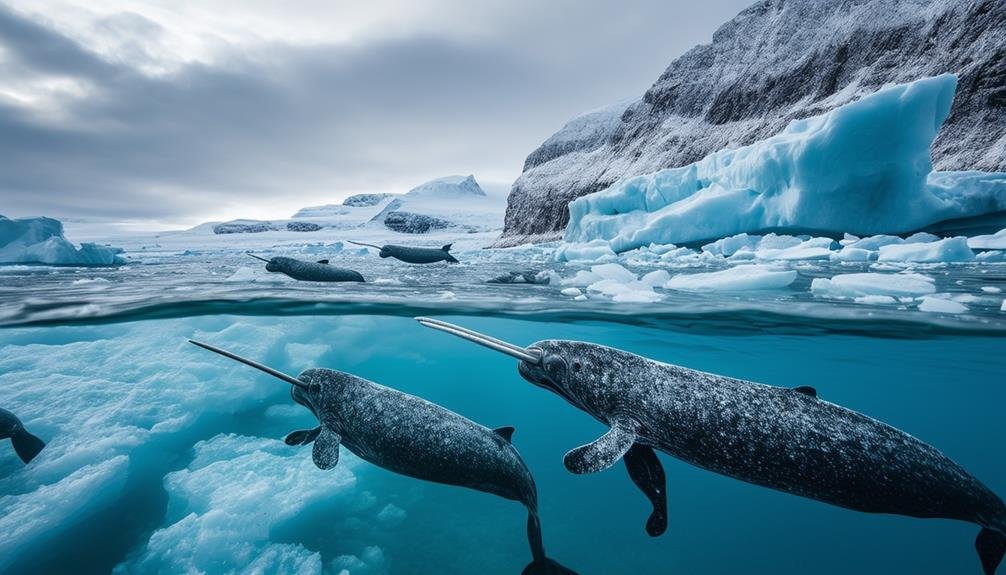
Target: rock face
(410, 223)
(302, 227)
(364, 200)
(777, 61)
(243, 227)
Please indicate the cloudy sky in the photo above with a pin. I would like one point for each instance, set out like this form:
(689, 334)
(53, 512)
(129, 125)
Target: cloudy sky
(182, 111)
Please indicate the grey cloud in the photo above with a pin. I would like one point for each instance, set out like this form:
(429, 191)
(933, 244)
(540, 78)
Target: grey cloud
(281, 120)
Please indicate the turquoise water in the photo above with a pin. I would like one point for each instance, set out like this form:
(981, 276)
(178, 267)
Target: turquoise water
(128, 403)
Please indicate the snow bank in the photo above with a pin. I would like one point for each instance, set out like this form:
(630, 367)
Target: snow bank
(863, 168)
(41, 241)
(740, 278)
(873, 284)
(216, 516)
(948, 250)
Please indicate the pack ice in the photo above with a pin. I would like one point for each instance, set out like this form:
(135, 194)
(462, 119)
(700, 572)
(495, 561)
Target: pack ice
(41, 241)
(863, 168)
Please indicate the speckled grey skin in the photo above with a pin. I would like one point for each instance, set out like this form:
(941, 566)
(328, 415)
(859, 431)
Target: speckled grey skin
(414, 437)
(311, 271)
(785, 439)
(26, 445)
(413, 255)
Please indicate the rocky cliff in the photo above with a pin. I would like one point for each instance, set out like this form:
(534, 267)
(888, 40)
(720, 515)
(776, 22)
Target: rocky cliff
(777, 61)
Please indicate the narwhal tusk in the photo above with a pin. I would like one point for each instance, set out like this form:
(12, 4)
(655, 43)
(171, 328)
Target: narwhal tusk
(279, 374)
(256, 257)
(528, 355)
(363, 244)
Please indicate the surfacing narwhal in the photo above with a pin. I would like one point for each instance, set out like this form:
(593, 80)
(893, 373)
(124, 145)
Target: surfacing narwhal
(319, 271)
(782, 438)
(414, 437)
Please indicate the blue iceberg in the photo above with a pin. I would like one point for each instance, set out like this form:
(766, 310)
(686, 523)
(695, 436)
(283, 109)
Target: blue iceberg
(41, 241)
(863, 168)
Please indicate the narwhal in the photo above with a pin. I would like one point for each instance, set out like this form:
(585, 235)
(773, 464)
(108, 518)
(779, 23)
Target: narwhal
(26, 445)
(781, 438)
(318, 271)
(413, 255)
(414, 437)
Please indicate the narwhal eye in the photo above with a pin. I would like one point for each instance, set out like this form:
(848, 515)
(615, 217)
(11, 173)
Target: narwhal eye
(576, 366)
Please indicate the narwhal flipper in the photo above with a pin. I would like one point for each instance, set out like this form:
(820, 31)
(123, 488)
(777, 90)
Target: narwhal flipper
(302, 436)
(647, 473)
(26, 445)
(603, 452)
(326, 448)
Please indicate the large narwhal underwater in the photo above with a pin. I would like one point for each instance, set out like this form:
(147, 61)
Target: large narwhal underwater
(414, 437)
(781, 438)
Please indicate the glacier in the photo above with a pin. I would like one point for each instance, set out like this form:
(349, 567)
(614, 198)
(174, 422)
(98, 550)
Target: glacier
(863, 168)
(41, 241)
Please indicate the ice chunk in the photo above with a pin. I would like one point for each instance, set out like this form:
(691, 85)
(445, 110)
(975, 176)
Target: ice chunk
(851, 254)
(948, 250)
(571, 292)
(996, 241)
(941, 305)
(41, 241)
(740, 278)
(875, 299)
(867, 284)
(992, 256)
(601, 272)
(991, 289)
(633, 291)
(596, 250)
(727, 247)
(874, 243)
(812, 249)
(862, 168)
(216, 517)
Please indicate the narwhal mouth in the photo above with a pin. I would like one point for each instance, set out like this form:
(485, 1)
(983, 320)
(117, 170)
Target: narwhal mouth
(529, 355)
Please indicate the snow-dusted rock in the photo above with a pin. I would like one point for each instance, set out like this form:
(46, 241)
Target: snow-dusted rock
(244, 227)
(410, 223)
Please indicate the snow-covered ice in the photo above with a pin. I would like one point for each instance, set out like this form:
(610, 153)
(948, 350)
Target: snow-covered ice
(941, 305)
(739, 278)
(873, 284)
(946, 250)
(996, 241)
(820, 173)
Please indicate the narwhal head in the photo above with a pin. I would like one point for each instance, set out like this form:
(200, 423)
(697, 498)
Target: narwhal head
(313, 388)
(559, 366)
(385, 252)
(271, 265)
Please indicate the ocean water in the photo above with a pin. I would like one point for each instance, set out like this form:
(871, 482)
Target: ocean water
(163, 457)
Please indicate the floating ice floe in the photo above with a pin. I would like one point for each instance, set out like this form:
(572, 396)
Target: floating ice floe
(863, 168)
(740, 278)
(947, 250)
(41, 241)
(597, 250)
(996, 241)
(941, 305)
(873, 284)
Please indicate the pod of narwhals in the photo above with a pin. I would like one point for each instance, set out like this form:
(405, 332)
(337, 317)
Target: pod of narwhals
(781, 438)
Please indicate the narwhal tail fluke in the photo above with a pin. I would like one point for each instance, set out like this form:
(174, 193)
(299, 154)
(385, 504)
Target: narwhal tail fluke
(991, 546)
(26, 445)
(540, 565)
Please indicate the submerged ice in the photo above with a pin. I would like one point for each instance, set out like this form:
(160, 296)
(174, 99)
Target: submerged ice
(863, 168)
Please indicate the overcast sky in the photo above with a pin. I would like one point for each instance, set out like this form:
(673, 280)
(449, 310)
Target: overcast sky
(177, 112)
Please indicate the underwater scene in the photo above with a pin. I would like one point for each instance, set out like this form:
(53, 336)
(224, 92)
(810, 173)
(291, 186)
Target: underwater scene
(358, 288)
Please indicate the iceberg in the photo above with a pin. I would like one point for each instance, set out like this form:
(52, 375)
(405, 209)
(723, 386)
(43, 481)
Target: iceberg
(41, 241)
(996, 241)
(863, 168)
